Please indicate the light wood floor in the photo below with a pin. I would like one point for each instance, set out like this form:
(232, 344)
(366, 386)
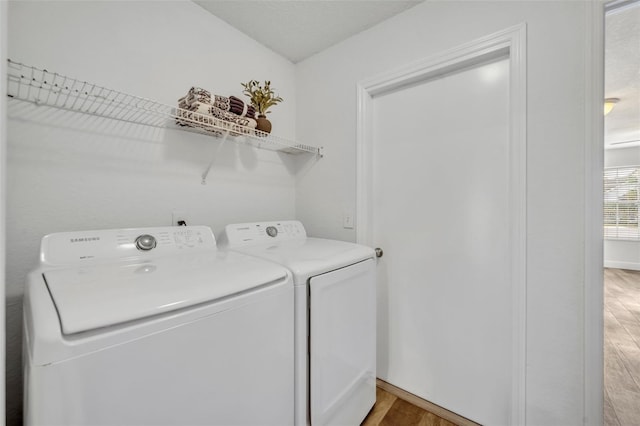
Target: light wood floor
(390, 410)
(621, 347)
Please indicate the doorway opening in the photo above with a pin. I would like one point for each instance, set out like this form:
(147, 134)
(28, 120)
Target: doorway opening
(621, 215)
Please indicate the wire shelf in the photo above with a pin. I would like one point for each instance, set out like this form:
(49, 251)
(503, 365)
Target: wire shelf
(42, 87)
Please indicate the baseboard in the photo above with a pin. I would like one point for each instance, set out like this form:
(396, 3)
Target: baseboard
(634, 266)
(425, 405)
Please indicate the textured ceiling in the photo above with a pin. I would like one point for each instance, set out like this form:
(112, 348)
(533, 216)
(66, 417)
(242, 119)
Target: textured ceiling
(622, 76)
(299, 29)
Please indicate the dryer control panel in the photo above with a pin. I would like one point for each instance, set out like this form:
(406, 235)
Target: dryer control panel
(241, 234)
(72, 247)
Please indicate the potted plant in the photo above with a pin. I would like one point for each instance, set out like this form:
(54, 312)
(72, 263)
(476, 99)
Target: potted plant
(262, 98)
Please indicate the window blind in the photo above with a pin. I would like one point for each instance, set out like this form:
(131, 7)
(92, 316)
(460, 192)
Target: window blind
(621, 203)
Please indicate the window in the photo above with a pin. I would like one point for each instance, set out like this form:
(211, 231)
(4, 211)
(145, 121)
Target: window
(621, 203)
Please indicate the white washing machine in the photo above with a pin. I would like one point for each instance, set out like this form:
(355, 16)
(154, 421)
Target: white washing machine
(155, 326)
(335, 323)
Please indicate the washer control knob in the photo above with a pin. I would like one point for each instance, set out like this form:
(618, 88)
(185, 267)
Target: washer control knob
(145, 242)
(379, 252)
(272, 231)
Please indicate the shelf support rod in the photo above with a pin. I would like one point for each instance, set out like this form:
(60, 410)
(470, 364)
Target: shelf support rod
(213, 160)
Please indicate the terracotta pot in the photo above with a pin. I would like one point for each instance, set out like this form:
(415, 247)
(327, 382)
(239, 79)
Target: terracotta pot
(263, 124)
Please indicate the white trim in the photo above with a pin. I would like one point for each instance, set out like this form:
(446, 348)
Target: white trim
(593, 363)
(3, 197)
(616, 6)
(510, 42)
(518, 197)
(364, 161)
(617, 264)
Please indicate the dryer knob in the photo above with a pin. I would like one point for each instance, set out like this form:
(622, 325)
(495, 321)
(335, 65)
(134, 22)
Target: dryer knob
(145, 242)
(272, 231)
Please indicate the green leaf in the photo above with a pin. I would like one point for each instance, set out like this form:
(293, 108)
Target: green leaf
(262, 97)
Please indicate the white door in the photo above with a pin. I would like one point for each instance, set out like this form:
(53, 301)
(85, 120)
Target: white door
(441, 213)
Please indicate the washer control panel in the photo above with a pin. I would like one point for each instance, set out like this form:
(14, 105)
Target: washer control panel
(263, 232)
(72, 247)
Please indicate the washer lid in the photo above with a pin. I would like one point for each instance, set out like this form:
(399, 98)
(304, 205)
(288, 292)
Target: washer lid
(102, 295)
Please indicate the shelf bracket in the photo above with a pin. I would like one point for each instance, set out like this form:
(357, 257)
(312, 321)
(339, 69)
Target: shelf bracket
(213, 160)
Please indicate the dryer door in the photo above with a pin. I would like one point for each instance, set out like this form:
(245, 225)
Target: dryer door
(342, 344)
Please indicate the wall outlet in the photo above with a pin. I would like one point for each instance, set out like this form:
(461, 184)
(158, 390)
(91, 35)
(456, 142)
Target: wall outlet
(179, 218)
(347, 219)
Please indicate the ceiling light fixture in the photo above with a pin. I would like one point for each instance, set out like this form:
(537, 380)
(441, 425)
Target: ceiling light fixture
(609, 103)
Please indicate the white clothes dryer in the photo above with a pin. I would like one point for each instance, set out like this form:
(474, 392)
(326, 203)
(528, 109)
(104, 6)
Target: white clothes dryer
(155, 326)
(335, 317)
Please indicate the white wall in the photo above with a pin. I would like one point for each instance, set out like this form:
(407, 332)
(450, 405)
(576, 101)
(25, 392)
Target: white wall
(556, 50)
(70, 172)
(618, 253)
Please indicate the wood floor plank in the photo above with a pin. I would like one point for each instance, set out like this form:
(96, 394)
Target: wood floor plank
(614, 331)
(610, 417)
(622, 347)
(402, 413)
(619, 310)
(626, 407)
(425, 405)
(613, 281)
(631, 278)
(630, 297)
(430, 419)
(384, 401)
(617, 380)
(634, 307)
(625, 308)
(626, 318)
(392, 410)
(630, 357)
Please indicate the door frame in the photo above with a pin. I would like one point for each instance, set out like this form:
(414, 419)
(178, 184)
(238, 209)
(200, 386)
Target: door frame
(510, 43)
(4, 11)
(593, 344)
